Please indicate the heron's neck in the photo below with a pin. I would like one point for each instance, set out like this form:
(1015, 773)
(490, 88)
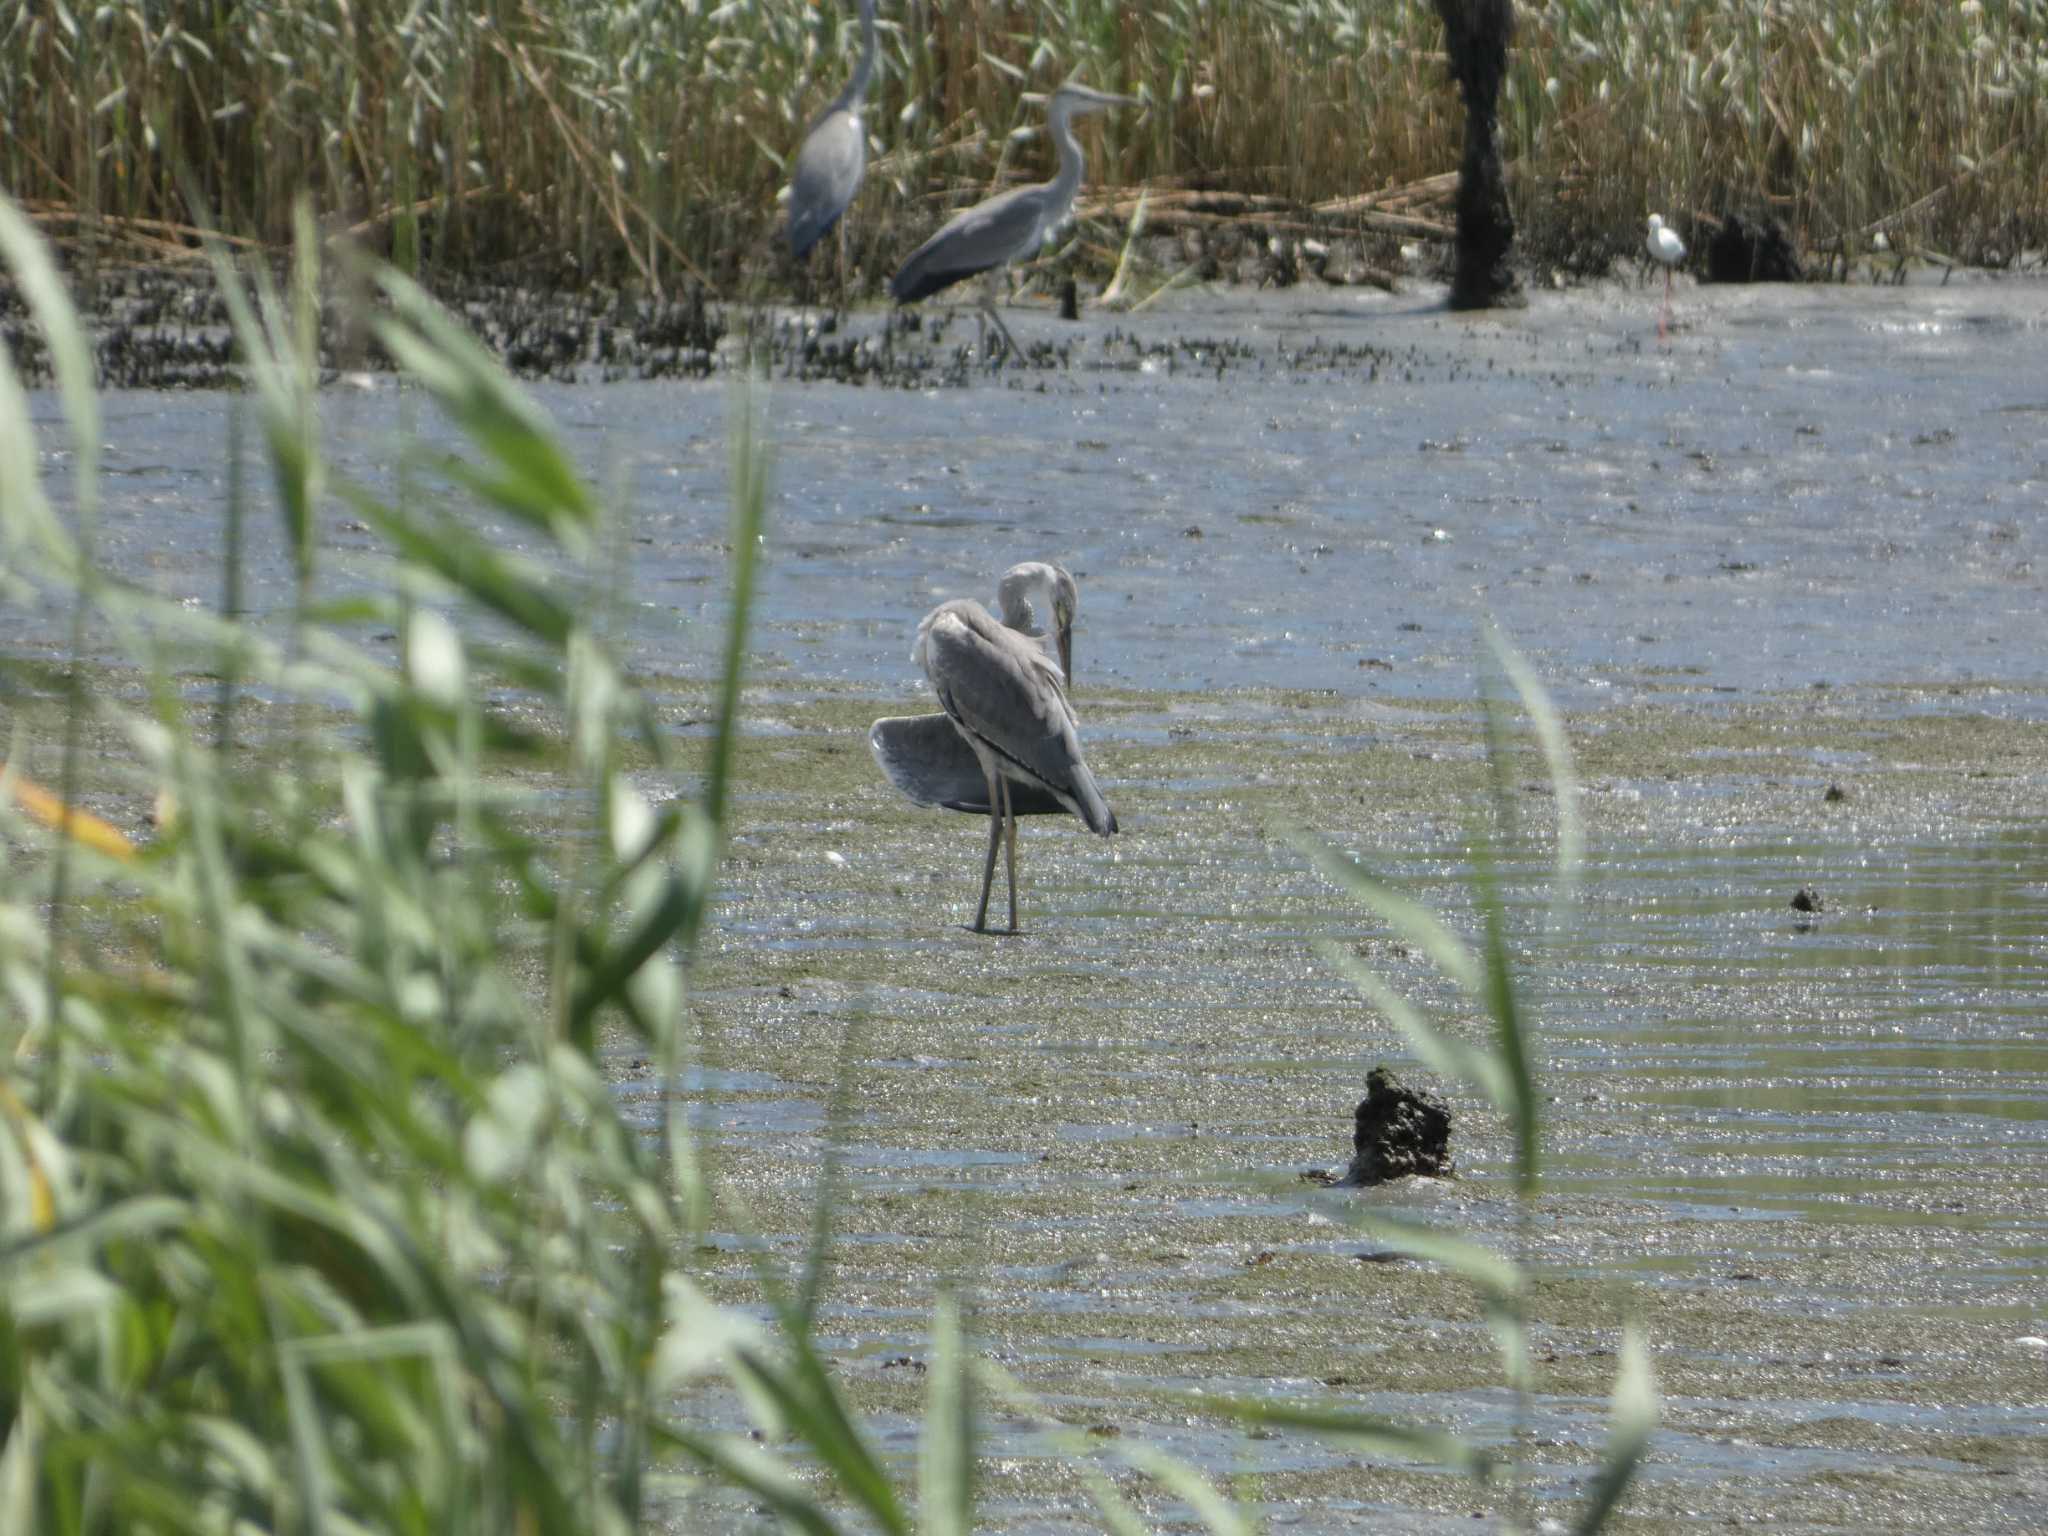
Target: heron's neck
(1068, 182)
(864, 71)
(1021, 610)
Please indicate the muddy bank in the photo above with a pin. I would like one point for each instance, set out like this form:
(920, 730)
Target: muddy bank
(1805, 1163)
(165, 326)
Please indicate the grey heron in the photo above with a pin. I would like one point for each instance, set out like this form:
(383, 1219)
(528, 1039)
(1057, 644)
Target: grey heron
(834, 153)
(926, 758)
(994, 233)
(1667, 250)
(1006, 744)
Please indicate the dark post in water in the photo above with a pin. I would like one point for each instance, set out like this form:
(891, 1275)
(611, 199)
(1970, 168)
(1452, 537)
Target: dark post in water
(1476, 34)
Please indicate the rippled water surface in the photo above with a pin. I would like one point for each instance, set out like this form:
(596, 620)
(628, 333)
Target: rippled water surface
(1800, 545)
(1804, 484)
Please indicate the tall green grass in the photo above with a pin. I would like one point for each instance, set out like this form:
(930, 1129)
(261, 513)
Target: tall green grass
(647, 141)
(318, 1212)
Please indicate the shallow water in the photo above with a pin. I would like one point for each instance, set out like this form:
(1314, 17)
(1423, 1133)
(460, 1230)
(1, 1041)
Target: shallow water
(1809, 1153)
(1813, 1150)
(1800, 485)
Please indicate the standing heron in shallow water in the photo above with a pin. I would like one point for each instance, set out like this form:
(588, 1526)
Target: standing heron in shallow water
(834, 153)
(992, 234)
(1006, 745)
(1667, 250)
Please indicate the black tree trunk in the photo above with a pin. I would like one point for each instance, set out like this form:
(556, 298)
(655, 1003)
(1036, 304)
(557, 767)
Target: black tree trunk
(1476, 34)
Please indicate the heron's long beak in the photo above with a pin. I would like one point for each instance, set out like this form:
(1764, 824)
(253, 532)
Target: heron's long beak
(1066, 642)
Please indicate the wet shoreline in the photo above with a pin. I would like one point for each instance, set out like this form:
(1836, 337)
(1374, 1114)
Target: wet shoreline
(1805, 488)
(166, 327)
(1802, 1155)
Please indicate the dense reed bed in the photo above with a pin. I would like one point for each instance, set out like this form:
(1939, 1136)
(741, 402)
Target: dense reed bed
(646, 140)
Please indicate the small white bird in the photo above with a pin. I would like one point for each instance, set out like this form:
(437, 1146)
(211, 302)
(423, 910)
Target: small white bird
(1667, 250)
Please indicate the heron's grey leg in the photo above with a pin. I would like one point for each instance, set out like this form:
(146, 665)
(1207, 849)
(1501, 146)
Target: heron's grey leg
(988, 306)
(1010, 822)
(995, 837)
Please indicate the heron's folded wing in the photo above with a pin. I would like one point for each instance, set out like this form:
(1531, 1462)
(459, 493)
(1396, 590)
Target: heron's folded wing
(986, 235)
(1003, 690)
(927, 758)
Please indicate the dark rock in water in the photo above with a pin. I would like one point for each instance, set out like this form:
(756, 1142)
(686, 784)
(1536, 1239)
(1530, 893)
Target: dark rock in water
(1752, 251)
(1808, 900)
(1396, 1131)
(1476, 35)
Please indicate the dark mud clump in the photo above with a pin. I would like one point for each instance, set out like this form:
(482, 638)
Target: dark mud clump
(152, 328)
(1752, 251)
(569, 334)
(1397, 1131)
(168, 327)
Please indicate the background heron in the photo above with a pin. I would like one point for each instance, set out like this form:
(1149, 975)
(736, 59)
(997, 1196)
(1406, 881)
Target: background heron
(992, 234)
(1667, 250)
(834, 153)
(1014, 748)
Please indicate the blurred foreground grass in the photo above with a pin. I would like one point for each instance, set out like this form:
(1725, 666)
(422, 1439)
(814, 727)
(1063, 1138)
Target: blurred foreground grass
(317, 1209)
(572, 138)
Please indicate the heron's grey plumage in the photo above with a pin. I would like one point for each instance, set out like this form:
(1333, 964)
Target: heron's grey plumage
(927, 758)
(1012, 224)
(1009, 699)
(834, 153)
(990, 234)
(1007, 744)
(1038, 598)
(930, 763)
